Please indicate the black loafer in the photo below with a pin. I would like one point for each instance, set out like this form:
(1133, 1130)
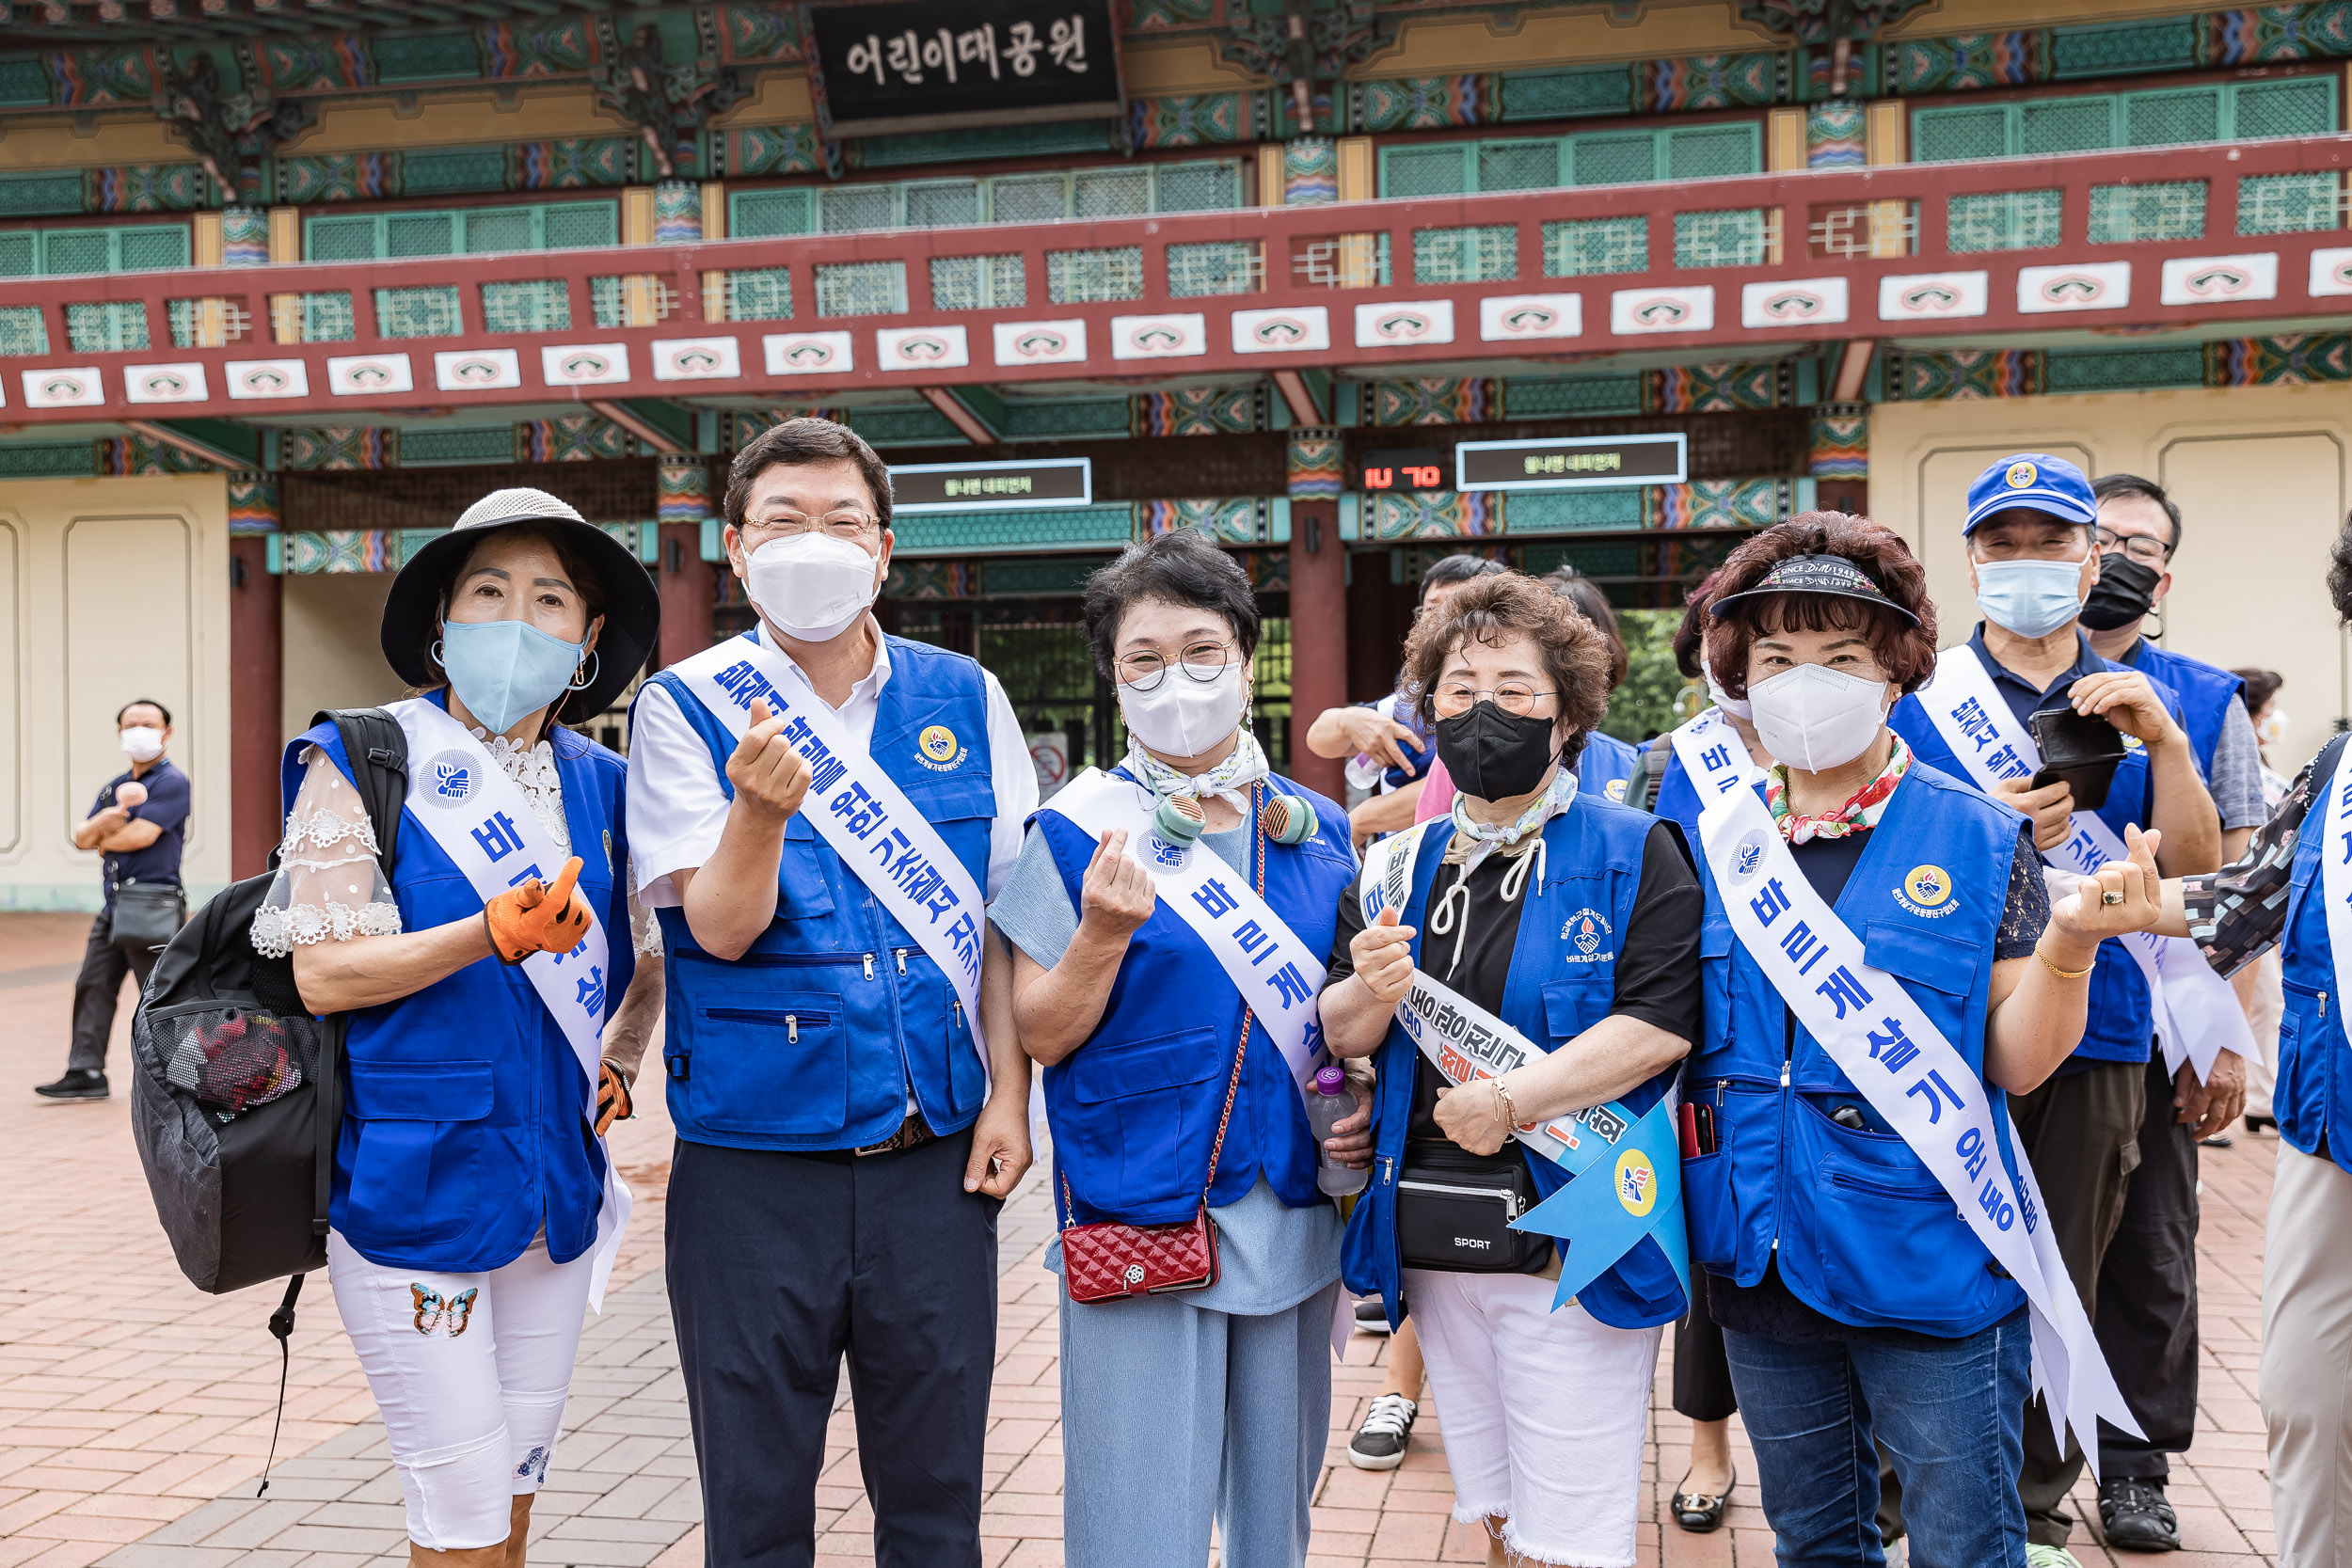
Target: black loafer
(2136, 1517)
(1698, 1513)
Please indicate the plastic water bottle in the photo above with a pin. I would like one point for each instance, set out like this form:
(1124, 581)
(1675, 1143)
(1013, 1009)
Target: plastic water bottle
(1332, 1103)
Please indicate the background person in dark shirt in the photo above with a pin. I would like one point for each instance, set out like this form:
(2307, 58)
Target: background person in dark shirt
(138, 823)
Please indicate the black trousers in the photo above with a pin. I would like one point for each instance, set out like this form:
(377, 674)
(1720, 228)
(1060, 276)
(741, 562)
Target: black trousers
(1702, 1374)
(2147, 1321)
(97, 989)
(779, 1265)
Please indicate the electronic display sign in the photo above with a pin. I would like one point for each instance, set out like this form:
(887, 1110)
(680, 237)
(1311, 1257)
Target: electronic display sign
(992, 486)
(1581, 463)
(1403, 468)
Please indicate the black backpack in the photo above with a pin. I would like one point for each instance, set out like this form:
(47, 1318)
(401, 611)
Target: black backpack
(236, 1089)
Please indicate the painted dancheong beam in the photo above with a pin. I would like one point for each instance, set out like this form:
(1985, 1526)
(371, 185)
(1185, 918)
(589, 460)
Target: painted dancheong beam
(1298, 315)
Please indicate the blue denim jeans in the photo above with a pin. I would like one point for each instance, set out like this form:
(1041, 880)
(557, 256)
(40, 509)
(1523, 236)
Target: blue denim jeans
(1951, 1414)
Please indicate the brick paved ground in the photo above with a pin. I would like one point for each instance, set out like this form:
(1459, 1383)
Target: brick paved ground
(135, 1413)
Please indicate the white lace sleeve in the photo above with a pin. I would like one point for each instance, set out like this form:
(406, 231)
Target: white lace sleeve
(328, 886)
(644, 930)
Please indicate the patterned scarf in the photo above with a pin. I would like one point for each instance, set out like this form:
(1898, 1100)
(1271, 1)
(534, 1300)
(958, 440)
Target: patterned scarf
(1229, 780)
(1475, 841)
(1859, 814)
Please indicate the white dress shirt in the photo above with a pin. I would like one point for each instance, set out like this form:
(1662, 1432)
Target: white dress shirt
(677, 800)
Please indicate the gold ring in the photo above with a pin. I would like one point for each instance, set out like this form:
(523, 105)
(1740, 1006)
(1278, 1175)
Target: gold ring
(2110, 898)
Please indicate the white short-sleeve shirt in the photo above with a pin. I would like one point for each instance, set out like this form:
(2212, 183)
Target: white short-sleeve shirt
(678, 801)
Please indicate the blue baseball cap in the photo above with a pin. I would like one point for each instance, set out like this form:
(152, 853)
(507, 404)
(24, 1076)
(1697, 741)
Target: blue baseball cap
(2037, 481)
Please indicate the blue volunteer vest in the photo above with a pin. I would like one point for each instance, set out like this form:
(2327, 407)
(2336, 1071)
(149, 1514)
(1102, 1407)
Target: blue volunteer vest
(1553, 992)
(1606, 765)
(2312, 1096)
(1135, 1109)
(2123, 1024)
(465, 1118)
(1864, 1232)
(1677, 797)
(812, 1038)
(2205, 691)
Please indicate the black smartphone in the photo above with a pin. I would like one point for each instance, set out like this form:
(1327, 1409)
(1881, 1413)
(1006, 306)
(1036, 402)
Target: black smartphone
(2080, 751)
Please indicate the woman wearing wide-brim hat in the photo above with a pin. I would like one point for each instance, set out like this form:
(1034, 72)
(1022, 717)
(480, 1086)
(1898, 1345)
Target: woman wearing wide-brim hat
(487, 980)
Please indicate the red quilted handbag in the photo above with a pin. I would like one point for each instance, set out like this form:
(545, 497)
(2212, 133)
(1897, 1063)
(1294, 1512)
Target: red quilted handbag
(1111, 1260)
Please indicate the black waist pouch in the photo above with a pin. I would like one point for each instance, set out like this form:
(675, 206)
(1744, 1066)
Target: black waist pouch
(1455, 1208)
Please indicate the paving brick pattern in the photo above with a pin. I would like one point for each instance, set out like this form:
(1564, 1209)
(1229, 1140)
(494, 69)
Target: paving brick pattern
(135, 1413)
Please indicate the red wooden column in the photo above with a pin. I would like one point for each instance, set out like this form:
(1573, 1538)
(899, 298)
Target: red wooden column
(686, 579)
(256, 670)
(1318, 603)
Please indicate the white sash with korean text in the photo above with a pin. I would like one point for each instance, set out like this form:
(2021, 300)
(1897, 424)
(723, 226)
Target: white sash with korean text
(1277, 974)
(1715, 756)
(2196, 1011)
(1917, 1080)
(858, 810)
(2335, 873)
(1463, 1040)
(483, 823)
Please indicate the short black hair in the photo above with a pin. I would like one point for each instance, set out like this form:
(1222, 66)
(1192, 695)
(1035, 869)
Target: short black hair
(142, 702)
(1457, 568)
(2133, 488)
(1178, 567)
(2340, 571)
(799, 441)
(2261, 686)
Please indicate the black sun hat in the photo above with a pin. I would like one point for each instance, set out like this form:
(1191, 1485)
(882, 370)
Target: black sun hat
(1832, 574)
(632, 604)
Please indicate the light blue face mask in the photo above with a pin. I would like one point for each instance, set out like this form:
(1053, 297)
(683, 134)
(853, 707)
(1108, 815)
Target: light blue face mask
(2032, 598)
(504, 670)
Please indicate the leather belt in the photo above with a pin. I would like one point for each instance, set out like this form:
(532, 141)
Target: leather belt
(913, 1133)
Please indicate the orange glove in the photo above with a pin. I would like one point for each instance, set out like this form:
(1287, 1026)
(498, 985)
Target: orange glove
(537, 919)
(612, 1099)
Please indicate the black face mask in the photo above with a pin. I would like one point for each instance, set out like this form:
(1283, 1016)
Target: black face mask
(2123, 594)
(1493, 754)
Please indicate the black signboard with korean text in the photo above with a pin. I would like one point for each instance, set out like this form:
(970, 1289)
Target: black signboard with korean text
(1584, 463)
(938, 65)
(992, 486)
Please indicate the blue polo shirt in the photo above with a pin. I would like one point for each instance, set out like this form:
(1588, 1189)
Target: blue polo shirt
(2019, 692)
(166, 806)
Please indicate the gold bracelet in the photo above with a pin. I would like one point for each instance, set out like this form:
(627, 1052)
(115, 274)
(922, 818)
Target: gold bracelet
(1503, 1099)
(2064, 973)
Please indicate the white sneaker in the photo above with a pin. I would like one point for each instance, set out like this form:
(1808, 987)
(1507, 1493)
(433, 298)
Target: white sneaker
(1379, 1442)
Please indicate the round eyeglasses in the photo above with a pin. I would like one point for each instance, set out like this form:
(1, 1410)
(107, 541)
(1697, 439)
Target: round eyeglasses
(1454, 698)
(1144, 669)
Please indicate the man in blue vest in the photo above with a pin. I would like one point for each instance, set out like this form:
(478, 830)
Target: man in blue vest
(816, 811)
(2031, 561)
(2147, 1318)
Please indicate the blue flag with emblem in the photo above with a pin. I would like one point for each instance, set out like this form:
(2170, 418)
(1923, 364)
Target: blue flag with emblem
(1605, 1210)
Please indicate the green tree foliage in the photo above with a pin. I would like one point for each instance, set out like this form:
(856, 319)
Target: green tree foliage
(1654, 697)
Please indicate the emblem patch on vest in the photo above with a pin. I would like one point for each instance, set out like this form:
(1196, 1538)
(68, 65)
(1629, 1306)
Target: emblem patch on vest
(938, 749)
(452, 779)
(1927, 892)
(1587, 933)
(1615, 790)
(1637, 1183)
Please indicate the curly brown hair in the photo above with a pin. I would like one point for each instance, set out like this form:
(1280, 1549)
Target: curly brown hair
(1576, 653)
(1906, 650)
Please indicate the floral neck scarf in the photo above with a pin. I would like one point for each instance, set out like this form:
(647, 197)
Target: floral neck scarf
(1230, 780)
(1475, 841)
(1858, 815)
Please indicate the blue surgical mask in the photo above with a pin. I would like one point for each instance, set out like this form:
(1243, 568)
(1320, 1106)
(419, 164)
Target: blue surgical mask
(504, 670)
(2032, 598)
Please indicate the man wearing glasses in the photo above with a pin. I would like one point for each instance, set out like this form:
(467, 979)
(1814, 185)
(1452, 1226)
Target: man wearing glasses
(2147, 1319)
(817, 813)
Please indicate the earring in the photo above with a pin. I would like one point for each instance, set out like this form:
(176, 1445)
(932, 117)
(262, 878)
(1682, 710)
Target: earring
(436, 653)
(584, 681)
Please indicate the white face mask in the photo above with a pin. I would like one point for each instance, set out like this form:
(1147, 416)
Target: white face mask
(1182, 717)
(2273, 729)
(812, 585)
(1716, 694)
(1817, 718)
(143, 742)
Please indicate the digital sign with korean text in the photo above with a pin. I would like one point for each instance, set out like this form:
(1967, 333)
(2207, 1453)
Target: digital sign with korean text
(992, 486)
(1403, 468)
(936, 65)
(1584, 463)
